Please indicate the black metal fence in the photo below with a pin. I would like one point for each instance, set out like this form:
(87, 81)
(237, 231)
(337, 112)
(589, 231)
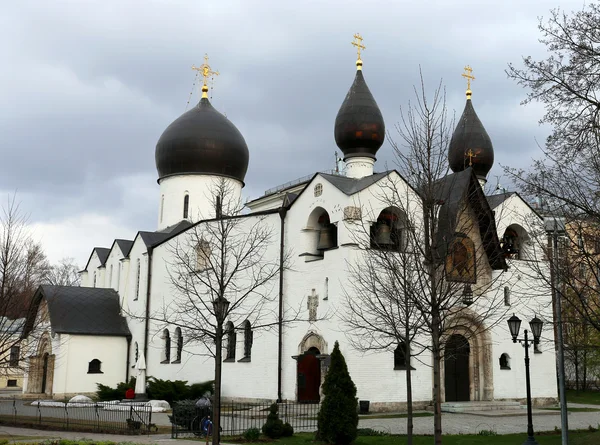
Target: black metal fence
(237, 418)
(92, 417)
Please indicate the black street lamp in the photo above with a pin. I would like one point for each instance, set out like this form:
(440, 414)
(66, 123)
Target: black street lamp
(220, 306)
(514, 324)
(467, 296)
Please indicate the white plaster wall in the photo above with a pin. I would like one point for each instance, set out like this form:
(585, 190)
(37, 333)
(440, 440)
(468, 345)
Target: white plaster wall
(200, 189)
(73, 354)
(113, 261)
(87, 280)
(255, 379)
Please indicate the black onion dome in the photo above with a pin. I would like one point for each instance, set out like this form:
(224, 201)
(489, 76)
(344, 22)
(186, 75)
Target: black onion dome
(470, 138)
(359, 126)
(202, 142)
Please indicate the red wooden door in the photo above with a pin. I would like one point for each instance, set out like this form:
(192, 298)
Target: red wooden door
(309, 377)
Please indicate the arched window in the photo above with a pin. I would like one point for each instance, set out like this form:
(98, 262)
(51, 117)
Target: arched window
(162, 207)
(110, 275)
(136, 354)
(166, 352)
(94, 367)
(94, 279)
(388, 232)
(186, 206)
(514, 242)
(118, 276)
(247, 341)
(400, 361)
(505, 361)
(506, 296)
(231, 340)
(137, 280)
(178, 344)
(15, 353)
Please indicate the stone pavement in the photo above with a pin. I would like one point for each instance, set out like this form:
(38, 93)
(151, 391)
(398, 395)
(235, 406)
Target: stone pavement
(451, 423)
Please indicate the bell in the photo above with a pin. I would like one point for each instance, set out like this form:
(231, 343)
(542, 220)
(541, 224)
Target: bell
(383, 236)
(327, 237)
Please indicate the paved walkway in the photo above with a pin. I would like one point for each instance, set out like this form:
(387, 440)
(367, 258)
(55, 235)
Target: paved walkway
(451, 424)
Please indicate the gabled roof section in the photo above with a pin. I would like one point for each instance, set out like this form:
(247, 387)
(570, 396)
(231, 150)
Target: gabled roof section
(451, 191)
(495, 200)
(152, 239)
(80, 311)
(350, 186)
(125, 246)
(102, 253)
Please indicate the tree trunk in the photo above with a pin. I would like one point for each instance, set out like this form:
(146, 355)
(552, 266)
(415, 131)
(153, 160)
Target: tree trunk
(216, 432)
(409, 407)
(437, 394)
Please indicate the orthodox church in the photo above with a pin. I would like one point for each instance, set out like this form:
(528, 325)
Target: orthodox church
(98, 332)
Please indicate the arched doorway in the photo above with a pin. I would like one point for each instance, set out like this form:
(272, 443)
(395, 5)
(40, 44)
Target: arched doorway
(456, 369)
(44, 372)
(309, 376)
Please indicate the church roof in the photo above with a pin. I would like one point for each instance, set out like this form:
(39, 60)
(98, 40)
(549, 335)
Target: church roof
(81, 311)
(350, 186)
(495, 200)
(451, 191)
(152, 239)
(125, 246)
(102, 254)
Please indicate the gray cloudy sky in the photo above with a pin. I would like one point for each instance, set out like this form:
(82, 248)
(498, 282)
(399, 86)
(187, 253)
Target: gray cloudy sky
(88, 86)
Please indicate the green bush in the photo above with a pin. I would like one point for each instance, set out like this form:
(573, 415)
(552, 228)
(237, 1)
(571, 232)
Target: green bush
(184, 412)
(197, 390)
(338, 417)
(252, 434)
(288, 430)
(106, 393)
(370, 432)
(273, 427)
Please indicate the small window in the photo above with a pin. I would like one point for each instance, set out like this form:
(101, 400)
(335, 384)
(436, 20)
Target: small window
(11, 383)
(15, 352)
(203, 256)
(318, 191)
(179, 345)
(582, 270)
(504, 361)
(231, 341)
(136, 355)
(166, 352)
(94, 279)
(506, 296)
(186, 206)
(400, 357)
(137, 281)
(162, 207)
(94, 367)
(110, 276)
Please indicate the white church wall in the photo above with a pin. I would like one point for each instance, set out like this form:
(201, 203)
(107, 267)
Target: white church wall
(92, 276)
(113, 263)
(259, 375)
(73, 354)
(173, 190)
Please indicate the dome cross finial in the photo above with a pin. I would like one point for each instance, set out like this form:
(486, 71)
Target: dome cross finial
(359, 46)
(468, 74)
(206, 72)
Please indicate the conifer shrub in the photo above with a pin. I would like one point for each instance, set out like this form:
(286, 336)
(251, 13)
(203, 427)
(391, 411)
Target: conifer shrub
(106, 393)
(338, 416)
(274, 427)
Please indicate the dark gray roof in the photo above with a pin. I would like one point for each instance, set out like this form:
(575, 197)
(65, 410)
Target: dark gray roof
(102, 254)
(152, 239)
(83, 310)
(495, 200)
(125, 246)
(350, 186)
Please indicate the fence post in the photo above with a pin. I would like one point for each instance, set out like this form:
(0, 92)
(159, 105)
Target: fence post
(67, 414)
(39, 412)
(149, 419)
(15, 410)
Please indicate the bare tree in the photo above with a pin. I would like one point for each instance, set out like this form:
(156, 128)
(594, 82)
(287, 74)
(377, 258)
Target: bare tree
(224, 270)
(434, 276)
(64, 273)
(23, 266)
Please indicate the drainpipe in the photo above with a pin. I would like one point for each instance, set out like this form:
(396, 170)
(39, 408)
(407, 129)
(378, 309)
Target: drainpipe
(127, 358)
(282, 214)
(147, 315)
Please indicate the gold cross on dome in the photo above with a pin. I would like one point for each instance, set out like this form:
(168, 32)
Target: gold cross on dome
(471, 154)
(358, 43)
(468, 74)
(206, 72)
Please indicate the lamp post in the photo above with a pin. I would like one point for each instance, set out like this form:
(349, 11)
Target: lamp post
(220, 306)
(556, 227)
(514, 324)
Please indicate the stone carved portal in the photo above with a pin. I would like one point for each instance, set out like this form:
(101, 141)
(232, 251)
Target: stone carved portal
(311, 367)
(476, 352)
(41, 369)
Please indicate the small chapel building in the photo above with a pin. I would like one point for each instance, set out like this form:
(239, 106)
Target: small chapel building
(97, 332)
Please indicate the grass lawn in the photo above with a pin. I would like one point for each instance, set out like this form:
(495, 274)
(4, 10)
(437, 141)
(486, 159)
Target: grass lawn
(575, 438)
(587, 397)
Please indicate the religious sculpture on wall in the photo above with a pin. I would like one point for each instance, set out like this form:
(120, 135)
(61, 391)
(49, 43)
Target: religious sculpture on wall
(312, 304)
